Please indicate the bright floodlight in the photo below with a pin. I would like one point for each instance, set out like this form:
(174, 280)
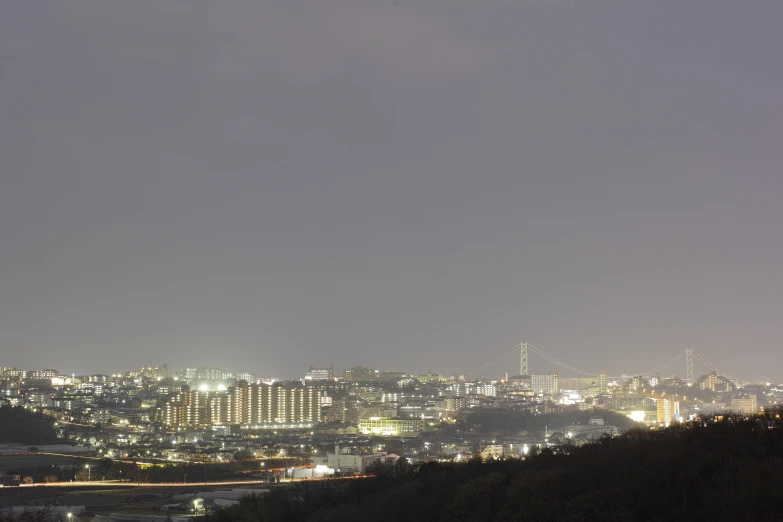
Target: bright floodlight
(221, 387)
(203, 387)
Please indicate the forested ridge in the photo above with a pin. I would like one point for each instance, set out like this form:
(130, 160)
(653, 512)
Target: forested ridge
(725, 470)
(20, 425)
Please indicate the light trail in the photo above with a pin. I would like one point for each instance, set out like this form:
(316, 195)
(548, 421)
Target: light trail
(190, 485)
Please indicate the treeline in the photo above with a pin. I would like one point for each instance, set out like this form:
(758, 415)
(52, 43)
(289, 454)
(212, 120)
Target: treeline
(727, 470)
(500, 422)
(23, 426)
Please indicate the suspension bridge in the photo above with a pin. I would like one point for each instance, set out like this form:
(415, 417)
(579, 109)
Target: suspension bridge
(524, 349)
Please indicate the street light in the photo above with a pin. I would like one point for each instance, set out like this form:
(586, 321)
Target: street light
(89, 472)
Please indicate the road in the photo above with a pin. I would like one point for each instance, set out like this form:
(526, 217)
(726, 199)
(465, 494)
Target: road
(118, 484)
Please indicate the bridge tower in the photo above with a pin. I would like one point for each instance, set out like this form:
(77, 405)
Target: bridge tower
(523, 359)
(689, 365)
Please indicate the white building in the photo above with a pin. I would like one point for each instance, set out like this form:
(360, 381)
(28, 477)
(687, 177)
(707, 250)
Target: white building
(345, 462)
(747, 404)
(488, 390)
(547, 383)
(320, 374)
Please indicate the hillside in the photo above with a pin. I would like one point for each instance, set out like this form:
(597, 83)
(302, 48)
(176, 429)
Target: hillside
(727, 470)
(20, 425)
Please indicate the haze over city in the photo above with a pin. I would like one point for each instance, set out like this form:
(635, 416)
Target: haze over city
(397, 184)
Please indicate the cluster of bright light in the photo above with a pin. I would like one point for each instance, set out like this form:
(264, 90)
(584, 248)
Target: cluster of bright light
(637, 416)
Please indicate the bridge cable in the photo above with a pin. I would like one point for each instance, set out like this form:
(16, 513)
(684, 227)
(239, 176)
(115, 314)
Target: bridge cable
(714, 368)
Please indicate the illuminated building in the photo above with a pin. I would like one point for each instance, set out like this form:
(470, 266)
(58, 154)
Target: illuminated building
(218, 408)
(43, 374)
(344, 461)
(636, 384)
(359, 373)
(714, 382)
(747, 404)
(451, 404)
(488, 390)
(346, 411)
(391, 427)
(250, 404)
(196, 406)
(188, 373)
(170, 414)
(320, 374)
(547, 383)
(668, 410)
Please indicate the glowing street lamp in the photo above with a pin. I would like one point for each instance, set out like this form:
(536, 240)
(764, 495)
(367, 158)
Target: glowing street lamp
(89, 472)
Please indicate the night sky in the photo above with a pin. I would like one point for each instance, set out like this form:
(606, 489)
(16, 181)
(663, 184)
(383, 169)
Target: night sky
(410, 185)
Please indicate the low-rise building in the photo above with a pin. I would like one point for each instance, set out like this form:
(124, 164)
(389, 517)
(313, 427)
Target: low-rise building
(391, 426)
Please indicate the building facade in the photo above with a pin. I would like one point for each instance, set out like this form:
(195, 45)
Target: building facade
(391, 427)
(320, 374)
(747, 404)
(251, 404)
(547, 383)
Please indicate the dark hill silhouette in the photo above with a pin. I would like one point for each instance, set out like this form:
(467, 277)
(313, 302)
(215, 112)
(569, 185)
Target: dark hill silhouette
(20, 425)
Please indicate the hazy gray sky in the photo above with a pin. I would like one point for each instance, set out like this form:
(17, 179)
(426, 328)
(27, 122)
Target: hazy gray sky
(273, 184)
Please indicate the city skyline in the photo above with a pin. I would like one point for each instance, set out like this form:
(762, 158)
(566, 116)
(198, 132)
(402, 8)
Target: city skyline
(694, 364)
(402, 185)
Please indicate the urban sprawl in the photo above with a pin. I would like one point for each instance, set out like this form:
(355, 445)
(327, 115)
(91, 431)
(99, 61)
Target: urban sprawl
(341, 424)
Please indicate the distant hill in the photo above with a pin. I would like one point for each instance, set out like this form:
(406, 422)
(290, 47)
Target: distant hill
(512, 422)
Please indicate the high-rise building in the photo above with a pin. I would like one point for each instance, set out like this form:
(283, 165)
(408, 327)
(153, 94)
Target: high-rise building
(170, 414)
(218, 408)
(603, 382)
(251, 404)
(547, 383)
(197, 408)
(668, 410)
